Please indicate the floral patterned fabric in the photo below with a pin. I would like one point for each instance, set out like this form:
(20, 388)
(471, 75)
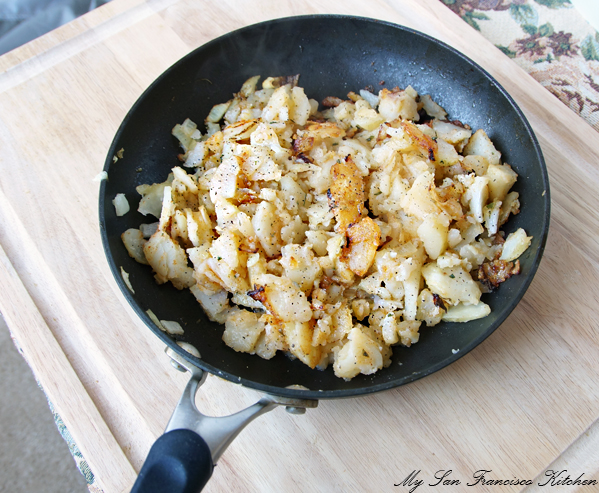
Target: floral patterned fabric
(549, 39)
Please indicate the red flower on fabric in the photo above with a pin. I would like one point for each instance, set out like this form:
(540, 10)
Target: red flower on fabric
(533, 45)
(561, 43)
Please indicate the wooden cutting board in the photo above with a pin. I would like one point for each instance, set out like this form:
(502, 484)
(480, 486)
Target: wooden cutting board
(523, 400)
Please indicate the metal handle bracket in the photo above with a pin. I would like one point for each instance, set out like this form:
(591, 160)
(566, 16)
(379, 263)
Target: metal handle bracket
(219, 432)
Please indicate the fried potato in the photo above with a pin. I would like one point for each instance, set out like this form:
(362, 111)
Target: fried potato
(364, 239)
(347, 194)
(331, 236)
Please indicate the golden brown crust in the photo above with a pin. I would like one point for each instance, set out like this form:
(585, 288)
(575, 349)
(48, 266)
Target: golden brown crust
(347, 194)
(364, 239)
(494, 272)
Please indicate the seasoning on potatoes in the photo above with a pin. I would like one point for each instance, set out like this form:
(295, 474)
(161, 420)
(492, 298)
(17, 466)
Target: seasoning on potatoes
(332, 236)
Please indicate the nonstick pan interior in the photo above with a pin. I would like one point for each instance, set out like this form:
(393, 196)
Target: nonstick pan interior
(333, 55)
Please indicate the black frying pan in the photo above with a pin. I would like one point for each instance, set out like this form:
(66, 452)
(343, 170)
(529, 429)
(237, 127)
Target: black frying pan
(333, 55)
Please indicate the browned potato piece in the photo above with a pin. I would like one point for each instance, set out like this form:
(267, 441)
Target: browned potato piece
(427, 146)
(364, 239)
(299, 338)
(347, 194)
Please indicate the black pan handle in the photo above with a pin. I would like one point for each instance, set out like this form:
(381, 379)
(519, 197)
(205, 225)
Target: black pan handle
(179, 462)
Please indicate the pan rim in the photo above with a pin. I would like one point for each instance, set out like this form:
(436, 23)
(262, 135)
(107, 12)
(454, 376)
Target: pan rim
(349, 392)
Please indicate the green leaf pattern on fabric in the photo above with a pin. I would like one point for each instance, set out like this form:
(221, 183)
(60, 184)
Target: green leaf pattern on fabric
(554, 4)
(525, 14)
(546, 29)
(507, 51)
(471, 16)
(590, 48)
(529, 29)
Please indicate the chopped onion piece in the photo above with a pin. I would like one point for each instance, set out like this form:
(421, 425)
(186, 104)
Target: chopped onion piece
(148, 230)
(371, 99)
(125, 276)
(154, 319)
(189, 348)
(171, 327)
(103, 175)
(121, 204)
(466, 313)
